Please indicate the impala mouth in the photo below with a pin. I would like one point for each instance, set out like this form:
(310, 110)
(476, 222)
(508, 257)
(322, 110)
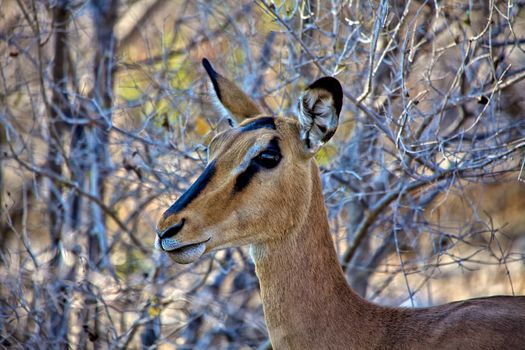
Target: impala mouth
(180, 252)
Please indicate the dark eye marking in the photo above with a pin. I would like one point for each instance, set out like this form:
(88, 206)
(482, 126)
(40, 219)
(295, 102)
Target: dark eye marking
(245, 177)
(267, 159)
(270, 157)
(191, 193)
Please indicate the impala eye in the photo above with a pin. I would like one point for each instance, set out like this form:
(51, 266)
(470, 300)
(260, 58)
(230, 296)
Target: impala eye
(268, 159)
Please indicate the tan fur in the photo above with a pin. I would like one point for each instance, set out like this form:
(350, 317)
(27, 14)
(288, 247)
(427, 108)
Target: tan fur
(307, 301)
(234, 100)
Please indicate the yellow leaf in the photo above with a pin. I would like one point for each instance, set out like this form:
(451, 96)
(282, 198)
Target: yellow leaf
(154, 311)
(325, 154)
(201, 126)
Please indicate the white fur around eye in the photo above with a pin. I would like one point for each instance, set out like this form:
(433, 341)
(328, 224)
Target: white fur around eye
(252, 152)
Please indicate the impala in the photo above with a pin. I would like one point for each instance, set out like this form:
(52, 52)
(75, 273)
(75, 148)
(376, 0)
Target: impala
(261, 187)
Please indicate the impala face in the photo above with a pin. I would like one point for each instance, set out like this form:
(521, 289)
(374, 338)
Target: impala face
(256, 184)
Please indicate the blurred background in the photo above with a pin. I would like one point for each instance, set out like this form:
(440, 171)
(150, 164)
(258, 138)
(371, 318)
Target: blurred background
(105, 119)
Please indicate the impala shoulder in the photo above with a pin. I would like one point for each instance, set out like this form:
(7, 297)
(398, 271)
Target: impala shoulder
(481, 322)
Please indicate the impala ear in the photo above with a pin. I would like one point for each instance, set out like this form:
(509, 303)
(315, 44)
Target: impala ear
(229, 98)
(319, 109)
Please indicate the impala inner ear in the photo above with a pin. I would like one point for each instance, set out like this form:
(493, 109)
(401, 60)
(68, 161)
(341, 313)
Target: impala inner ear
(319, 109)
(228, 98)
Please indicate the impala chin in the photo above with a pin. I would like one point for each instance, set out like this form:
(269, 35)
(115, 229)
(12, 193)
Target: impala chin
(182, 253)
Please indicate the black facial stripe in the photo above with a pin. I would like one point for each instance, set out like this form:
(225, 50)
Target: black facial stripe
(260, 123)
(274, 145)
(246, 176)
(191, 193)
(213, 76)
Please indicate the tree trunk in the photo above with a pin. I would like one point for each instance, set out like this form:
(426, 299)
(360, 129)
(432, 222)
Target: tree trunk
(58, 305)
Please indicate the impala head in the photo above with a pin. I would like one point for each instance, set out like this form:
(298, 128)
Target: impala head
(256, 186)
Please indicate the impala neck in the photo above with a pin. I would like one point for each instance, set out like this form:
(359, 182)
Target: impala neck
(304, 292)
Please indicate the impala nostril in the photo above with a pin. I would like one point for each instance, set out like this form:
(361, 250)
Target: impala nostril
(172, 231)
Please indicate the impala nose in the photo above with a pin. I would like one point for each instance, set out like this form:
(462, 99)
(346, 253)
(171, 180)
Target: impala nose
(172, 230)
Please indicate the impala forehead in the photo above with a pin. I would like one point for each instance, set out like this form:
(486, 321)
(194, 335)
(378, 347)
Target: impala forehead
(244, 142)
(238, 151)
(229, 136)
